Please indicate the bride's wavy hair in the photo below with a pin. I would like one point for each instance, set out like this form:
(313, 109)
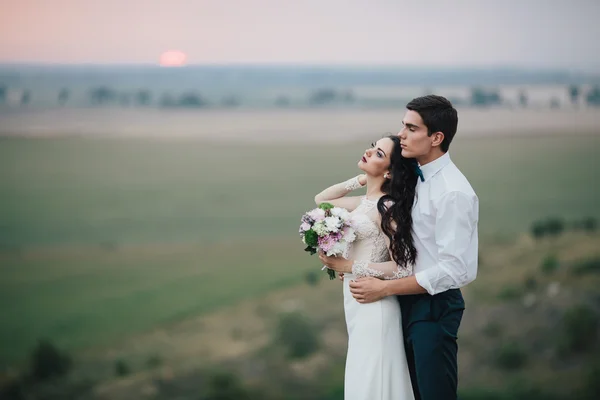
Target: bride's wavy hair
(395, 206)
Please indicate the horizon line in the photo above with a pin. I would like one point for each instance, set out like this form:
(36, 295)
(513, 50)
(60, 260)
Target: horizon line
(510, 67)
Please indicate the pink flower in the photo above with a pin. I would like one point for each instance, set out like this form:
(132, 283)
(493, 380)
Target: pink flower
(317, 214)
(326, 243)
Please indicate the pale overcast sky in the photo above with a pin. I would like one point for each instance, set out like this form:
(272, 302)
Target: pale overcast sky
(529, 33)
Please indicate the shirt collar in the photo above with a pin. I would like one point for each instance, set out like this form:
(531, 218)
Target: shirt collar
(432, 168)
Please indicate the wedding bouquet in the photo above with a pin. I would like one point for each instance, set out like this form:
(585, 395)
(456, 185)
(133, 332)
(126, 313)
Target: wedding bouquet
(328, 229)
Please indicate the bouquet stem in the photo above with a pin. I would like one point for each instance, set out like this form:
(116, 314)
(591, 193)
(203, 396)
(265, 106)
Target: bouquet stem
(331, 273)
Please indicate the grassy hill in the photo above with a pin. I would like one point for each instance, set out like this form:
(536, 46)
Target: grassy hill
(158, 260)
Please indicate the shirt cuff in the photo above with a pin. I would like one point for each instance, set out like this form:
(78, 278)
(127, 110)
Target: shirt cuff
(423, 281)
(435, 280)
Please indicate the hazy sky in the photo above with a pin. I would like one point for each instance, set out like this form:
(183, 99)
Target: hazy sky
(531, 33)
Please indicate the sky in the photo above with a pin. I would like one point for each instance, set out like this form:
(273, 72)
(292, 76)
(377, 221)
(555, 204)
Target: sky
(522, 33)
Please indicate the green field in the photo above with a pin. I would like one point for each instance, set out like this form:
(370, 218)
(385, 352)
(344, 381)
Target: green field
(103, 238)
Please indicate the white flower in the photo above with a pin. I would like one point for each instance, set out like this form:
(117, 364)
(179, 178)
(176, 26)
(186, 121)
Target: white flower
(332, 224)
(305, 226)
(342, 213)
(319, 228)
(349, 235)
(338, 249)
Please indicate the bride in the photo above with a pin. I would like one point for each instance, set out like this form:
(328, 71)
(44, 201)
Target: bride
(376, 366)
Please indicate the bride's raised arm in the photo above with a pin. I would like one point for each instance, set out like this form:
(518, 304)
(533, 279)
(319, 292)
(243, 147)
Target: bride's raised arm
(336, 194)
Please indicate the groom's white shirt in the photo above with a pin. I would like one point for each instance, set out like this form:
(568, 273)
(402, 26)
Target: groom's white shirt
(445, 217)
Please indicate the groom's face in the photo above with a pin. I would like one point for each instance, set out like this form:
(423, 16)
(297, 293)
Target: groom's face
(413, 136)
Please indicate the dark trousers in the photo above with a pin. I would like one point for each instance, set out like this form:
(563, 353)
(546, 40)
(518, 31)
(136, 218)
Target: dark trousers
(430, 325)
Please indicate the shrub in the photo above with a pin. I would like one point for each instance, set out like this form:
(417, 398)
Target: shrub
(589, 224)
(48, 361)
(591, 386)
(510, 356)
(225, 386)
(312, 278)
(579, 329)
(297, 334)
(510, 292)
(530, 283)
(154, 361)
(587, 266)
(547, 227)
(121, 368)
(549, 264)
(493, 330)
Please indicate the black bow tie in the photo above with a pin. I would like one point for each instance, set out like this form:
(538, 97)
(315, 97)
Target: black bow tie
(419, 172)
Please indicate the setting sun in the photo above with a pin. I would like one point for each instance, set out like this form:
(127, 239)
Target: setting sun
(173, 58)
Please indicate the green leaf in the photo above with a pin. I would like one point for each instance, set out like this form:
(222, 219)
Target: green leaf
(311, 238)
(326, 206)
(311, 250)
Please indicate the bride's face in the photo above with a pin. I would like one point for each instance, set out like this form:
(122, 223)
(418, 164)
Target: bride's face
(376, 159)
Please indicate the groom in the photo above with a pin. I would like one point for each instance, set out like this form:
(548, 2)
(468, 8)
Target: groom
(445, 217)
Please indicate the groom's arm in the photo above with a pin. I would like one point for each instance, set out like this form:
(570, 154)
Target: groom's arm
(455, 229)
(455, 233)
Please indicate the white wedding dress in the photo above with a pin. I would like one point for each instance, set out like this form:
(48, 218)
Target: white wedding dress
(376, 367)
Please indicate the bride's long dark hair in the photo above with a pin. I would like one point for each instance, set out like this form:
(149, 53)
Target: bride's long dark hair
(395, 206)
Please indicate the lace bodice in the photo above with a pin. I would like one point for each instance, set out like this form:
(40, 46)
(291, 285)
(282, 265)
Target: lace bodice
(371, 244)
(370, 241)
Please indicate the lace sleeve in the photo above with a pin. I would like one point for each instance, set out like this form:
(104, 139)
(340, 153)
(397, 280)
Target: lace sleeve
(352, 184)
(338, 190)
(386, 270)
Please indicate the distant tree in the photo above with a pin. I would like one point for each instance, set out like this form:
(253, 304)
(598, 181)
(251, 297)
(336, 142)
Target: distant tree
(63, 96)
(523, 100)
(322, 96)
(191, 100)
(125, 99)
(483, 98)
(3, 93)
(282, 101)
(574, 92)
(102, 95)
(143, 97)
(186, 100)
(554, 103)
(593, 96)
(348, 96)
(26, 97)
(167, 100)
(230, 102)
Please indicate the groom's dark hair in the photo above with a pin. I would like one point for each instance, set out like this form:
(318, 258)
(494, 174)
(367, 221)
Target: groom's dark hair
(438, 115)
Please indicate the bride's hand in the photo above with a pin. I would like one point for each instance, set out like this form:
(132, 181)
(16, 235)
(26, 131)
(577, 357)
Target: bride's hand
(338, 264)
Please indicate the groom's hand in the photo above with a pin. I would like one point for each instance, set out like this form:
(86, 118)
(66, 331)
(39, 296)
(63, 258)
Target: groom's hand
(368, 290)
